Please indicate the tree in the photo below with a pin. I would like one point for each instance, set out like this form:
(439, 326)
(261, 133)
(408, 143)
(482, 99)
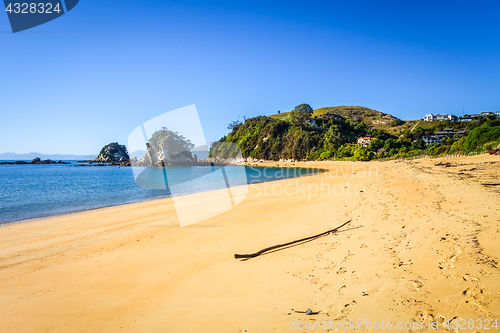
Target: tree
(233, 124)
(303, 108)
(333, 139)
(419, 144)
(301, 114)
(390, 144)
(375, 145)
(173, 142)
(362, 154)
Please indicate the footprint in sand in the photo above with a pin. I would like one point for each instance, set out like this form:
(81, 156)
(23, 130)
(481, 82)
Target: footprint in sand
(477, 297)
(423, 316)
(342, 270)
(347, 310)
(483, 272)
(349, 255)
(470, 277)
(415, 285)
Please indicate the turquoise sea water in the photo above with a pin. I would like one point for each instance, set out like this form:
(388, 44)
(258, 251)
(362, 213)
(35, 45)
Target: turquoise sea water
(35, 191)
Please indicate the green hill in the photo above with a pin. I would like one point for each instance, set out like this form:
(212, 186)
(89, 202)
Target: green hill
(356, 114)
(332, 132)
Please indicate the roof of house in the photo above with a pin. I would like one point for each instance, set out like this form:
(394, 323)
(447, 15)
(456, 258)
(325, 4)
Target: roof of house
(449, 132)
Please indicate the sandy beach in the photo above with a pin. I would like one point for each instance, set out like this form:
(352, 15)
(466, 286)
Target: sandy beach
(423, 245)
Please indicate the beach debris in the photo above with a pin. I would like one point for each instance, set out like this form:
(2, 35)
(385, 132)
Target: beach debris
(288, 313)
(446, 165)
(364, 294)
(309, 312)
(495, 151)
(256, 254)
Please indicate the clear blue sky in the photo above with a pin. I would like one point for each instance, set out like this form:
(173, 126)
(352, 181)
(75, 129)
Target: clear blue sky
(92, 76)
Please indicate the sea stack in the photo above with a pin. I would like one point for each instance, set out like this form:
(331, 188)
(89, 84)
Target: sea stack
(113, 153)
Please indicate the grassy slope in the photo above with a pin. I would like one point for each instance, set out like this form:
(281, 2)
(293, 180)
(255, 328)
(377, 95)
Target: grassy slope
(370, 117)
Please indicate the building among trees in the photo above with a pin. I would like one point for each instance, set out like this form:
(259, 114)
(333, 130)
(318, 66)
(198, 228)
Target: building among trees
(439, 117)
(365, 140)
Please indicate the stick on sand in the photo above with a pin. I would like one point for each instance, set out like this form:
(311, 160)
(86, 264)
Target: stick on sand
(253, 255)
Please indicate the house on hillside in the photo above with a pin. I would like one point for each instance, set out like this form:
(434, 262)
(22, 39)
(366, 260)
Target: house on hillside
(470, 117)
(365, 140)
(430, 139)
(449, 133)
(439, 117)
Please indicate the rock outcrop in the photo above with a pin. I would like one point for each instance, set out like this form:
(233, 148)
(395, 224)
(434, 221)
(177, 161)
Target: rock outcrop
(36, 160)
(163, 158)
(112, 153)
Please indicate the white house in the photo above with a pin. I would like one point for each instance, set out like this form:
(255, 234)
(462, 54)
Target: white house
(365, 140)
(438, 117)
(429, 139)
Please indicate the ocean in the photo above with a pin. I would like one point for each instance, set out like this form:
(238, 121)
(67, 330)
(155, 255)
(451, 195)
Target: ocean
(36, 191)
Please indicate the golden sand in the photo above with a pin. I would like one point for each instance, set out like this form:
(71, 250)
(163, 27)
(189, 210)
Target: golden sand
(423, 245)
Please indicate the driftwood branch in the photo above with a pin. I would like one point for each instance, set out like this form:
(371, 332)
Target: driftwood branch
(256, 254)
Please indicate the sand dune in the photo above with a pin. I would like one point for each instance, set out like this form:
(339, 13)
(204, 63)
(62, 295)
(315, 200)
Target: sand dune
(423, 245)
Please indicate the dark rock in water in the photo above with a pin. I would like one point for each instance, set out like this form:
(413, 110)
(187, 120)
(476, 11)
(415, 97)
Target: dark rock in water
(112, 154)
(36, 160)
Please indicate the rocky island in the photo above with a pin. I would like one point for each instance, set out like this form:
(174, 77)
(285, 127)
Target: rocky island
(167, 148)
(111, 154)
(36, 160)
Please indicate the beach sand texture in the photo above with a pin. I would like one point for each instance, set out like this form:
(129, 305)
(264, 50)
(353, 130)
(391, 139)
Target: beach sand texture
(423, 244)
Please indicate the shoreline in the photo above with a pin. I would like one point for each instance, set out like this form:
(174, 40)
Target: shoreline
(423, 245)
(263, 164)
(151, 199)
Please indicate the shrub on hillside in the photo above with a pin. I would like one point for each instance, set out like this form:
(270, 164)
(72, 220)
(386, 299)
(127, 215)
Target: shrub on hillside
(481, 135)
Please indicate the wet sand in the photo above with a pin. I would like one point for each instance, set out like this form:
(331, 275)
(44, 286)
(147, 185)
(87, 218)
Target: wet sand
(423, 245)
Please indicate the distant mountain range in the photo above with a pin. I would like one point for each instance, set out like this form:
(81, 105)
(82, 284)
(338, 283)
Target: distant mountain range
(65, 157)
(30, 156)
(137, 154)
